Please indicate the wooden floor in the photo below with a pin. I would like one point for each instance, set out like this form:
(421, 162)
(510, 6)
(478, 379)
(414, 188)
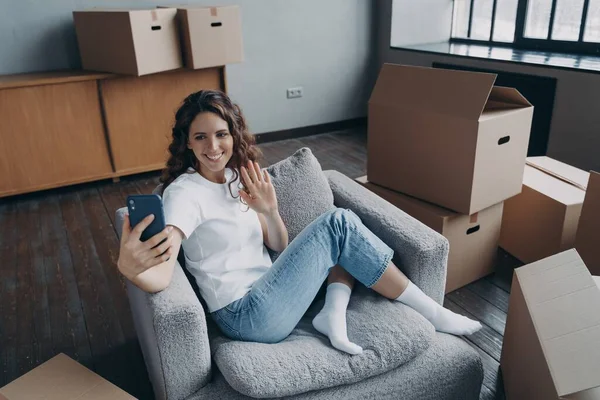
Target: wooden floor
(60, 290)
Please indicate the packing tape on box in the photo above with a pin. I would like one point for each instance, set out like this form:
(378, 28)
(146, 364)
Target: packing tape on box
(213, 11)
(154, 18)
(557, 175)
(473, 218)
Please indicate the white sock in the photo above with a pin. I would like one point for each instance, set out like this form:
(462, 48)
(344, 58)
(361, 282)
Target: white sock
(442, 319)
(331, 320)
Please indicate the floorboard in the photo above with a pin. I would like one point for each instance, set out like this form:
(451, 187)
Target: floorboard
(113, 199)
(61, 290)
(96, 300)
(486, 339)
(42, 330)
(26, 340)
(481, 309)
(491, 293)
(490, 369)
(487, 394)
(9, 292)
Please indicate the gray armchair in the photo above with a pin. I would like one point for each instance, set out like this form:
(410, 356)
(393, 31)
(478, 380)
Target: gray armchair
(177, 336)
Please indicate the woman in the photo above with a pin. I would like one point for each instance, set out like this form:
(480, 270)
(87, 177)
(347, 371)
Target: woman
(224, 228)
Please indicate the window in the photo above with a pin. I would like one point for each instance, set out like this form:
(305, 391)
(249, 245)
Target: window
(570, 26)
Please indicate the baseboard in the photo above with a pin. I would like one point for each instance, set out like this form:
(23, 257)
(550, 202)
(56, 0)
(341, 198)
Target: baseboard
(311, 130)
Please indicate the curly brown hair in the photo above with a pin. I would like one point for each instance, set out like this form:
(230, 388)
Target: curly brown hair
(181, 158)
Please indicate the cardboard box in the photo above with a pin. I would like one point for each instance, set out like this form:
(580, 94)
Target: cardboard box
(551, 347)
(132, 42)
(543, 219)
(211, 36)
(587, 241)
(451, 138)
(473, 239)
(62, 378)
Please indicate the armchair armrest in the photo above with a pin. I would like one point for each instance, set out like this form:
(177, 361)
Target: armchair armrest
(419, 251)
(172, 331)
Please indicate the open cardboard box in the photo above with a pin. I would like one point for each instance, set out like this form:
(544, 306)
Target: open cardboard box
(62, 378)
(551, 347)
(132, 42)
(473, 239)
(587, 241)
(448, 137)
(543, 219)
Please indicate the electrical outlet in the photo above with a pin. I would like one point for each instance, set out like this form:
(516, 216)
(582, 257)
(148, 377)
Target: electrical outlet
(295, 92)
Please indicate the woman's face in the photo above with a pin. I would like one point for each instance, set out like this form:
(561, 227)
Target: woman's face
(210, 140)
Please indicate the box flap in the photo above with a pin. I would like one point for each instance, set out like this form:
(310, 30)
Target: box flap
(550, 186)
(565, 172)
(456, 93)
(509, 96)
(563, 301)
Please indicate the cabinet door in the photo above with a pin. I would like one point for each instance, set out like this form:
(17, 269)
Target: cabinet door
(50, 136)
(140, 112)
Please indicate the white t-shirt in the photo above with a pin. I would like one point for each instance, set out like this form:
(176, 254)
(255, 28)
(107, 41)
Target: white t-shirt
(223, 243)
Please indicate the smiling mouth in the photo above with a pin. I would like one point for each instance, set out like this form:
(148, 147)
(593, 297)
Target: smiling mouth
(214, 158)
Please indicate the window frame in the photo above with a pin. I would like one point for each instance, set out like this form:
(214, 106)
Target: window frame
(524, 43)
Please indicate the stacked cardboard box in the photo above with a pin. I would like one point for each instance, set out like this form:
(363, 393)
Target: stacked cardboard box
(147, 41)
(543, 219)
(473, 238)
(210, 36)
(448, 147)
(551, 347)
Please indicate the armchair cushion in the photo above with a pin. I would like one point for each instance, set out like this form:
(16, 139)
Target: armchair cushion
(390, 333)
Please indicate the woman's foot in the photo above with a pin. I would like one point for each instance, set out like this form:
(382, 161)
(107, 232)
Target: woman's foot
(456, 324)
(331, 320)
(442, 319)
(333, 325)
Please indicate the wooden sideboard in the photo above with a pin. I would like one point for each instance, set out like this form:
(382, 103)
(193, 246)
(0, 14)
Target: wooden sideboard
(69, 127)
(139, 113)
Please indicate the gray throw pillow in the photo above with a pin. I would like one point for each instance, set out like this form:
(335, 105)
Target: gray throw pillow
(302, 189)
(390, 333)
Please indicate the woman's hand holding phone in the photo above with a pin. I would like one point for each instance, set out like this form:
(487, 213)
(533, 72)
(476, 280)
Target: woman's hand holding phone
(136, 256)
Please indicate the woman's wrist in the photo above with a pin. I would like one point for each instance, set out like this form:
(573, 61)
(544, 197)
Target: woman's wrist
(149, 282)
(125, 272)
(274, 213)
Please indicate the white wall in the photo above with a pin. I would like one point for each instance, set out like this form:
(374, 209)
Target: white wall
(327, 47)
(575, 128)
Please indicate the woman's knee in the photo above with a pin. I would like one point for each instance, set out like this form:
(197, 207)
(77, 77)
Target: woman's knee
(341, 215)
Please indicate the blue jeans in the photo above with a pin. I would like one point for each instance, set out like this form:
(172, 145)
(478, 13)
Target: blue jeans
(277, 301)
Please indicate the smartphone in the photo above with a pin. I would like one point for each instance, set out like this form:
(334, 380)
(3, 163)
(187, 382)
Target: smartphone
(142, 205)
